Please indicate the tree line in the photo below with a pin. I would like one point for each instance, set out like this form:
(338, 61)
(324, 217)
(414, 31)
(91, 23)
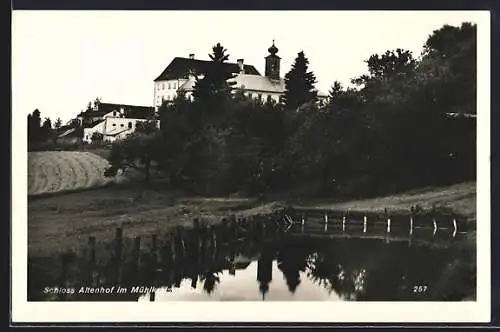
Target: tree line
(39, 131)
(407, 122)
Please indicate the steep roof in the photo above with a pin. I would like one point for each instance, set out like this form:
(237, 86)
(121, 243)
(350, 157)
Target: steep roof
(130, 111)
(259, 83)
(248, 82)
(180, 67)
(188, 85)
(68, 133)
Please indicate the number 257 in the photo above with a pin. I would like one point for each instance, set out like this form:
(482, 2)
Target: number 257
(419, 289)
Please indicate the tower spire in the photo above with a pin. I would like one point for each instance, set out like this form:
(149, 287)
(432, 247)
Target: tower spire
(273, 49)
(273, 63)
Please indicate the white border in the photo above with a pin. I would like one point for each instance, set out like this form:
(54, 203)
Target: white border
(350, 312)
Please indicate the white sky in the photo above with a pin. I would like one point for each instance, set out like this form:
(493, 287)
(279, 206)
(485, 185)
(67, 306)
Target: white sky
(61, 60)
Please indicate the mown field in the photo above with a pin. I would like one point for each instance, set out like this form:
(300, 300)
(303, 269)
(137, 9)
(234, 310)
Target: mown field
(58, 171)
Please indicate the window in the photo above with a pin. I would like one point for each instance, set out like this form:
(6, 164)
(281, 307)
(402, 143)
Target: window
(158, 86)
(121, 125)
(114, 124)
(169, 85)
(114, 113)
(130, 125)
(163, 86)
(269, 98)
(260, 96)
(175, 85)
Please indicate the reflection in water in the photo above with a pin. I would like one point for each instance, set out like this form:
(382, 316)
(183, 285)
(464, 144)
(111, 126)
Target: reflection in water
(243, 287)
(265, 272)
(303, 270)
(292, 269)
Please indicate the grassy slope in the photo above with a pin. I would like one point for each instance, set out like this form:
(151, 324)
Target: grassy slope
(65, 221)
(461, 198)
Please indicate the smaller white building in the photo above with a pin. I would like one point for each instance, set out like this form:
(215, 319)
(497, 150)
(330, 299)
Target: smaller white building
(113, 128)
(114, 121)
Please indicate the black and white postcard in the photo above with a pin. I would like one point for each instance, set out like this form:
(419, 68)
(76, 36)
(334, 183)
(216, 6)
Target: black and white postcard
(246, 166)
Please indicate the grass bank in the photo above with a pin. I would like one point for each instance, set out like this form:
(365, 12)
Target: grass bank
(61, 222)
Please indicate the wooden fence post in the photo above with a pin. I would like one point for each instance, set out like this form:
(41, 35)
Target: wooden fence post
(388, 220)
(223, 235)
(182, 243)
(412, 216)
(455, 228)
(364, 224)
(154, 250)
(303, 221)
(343, 222)
(154, 243)
(118, 254)
(135, 256)
(64, 269)
(173, 247)
(214, 241)
(326, 221)
(434, 222)
(63, 278)
(91, 258)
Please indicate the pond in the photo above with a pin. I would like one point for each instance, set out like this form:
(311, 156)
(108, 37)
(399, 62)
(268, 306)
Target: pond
(276, 266)
(306, 269)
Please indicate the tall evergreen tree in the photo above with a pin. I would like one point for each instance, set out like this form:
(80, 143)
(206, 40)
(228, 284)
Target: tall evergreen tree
(299, 83)
(47, 124)
(335, 91)
(34, 126)
(215, 81)
(212, 94)
(58, 123)
(46, 130)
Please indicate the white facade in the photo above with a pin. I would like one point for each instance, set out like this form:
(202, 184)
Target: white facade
(263, 95)
(113, 128)
(166, 90)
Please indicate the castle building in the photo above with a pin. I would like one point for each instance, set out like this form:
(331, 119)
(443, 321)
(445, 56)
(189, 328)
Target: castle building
(181, 73)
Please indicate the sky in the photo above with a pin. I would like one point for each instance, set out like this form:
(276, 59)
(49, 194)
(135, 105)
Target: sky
(61, 60)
